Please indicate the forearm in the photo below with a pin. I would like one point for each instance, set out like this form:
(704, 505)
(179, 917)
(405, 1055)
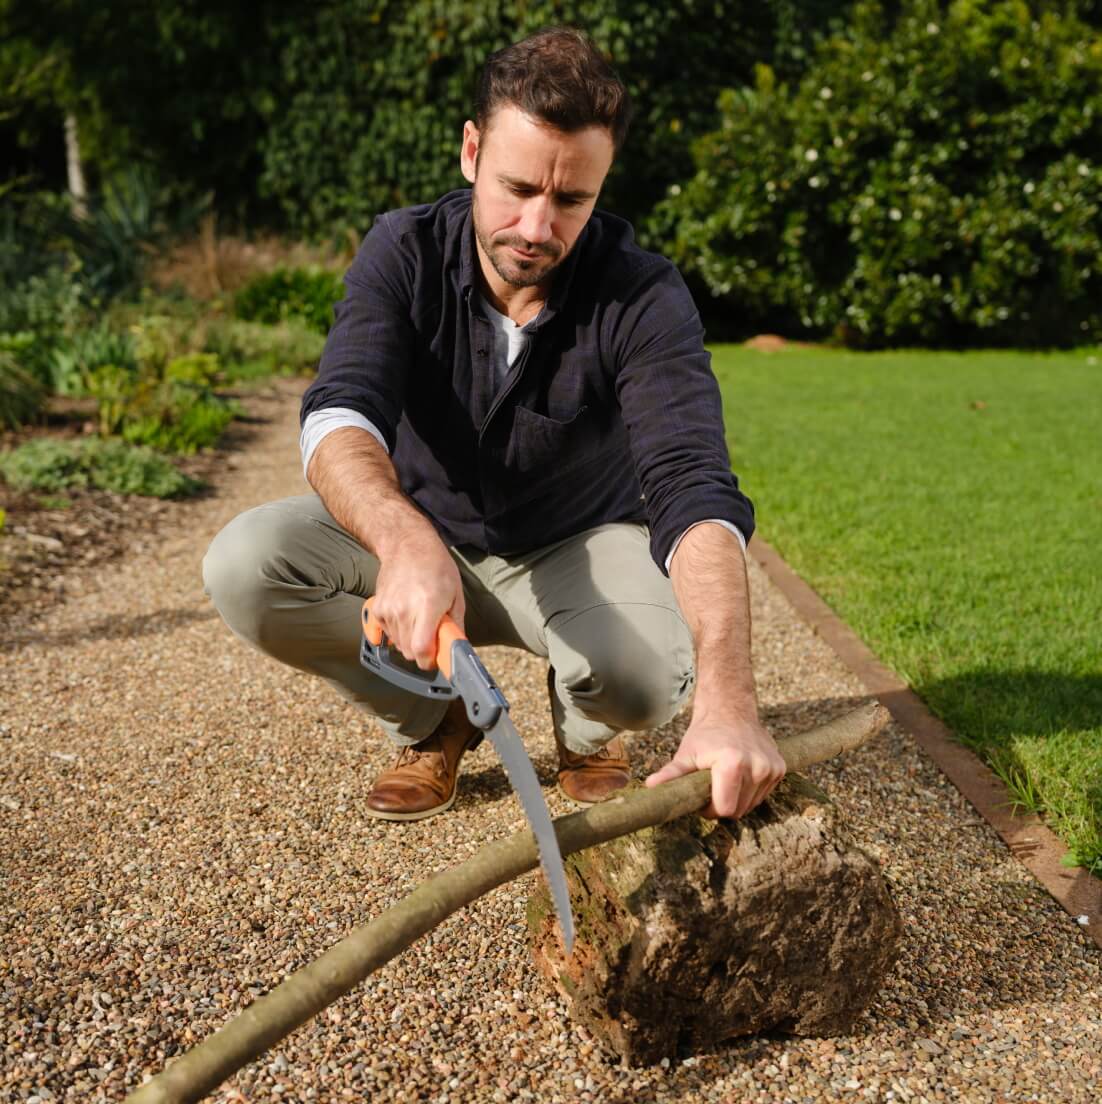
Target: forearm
(356, 480)
(709, 579)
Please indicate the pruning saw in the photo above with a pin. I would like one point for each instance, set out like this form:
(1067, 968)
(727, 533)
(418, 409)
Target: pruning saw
(461, 674)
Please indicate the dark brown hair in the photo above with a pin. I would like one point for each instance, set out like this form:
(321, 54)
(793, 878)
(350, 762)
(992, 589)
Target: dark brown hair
(558, 76)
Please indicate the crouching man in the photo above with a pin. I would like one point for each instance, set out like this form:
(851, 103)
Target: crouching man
(515, 422)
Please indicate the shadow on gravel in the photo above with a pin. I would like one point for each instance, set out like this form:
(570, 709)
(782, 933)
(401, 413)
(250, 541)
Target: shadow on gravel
(489, 782)
(790, 718)
(111, 628)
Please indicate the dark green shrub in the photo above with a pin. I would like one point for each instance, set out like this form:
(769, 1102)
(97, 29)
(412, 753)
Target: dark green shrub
(32, 234)
(21, 393)
(50, 465)
(374, 95)
(291, 294)
(935, 178)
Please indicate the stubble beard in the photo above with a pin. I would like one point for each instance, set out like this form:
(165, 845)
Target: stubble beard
(515, 272)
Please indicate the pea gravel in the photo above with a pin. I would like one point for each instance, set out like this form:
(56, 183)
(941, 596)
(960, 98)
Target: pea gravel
(181, 826)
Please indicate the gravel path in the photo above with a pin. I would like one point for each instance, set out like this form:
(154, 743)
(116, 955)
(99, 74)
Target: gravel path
(180, 827)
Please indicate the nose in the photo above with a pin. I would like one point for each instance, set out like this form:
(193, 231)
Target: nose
(535, 220)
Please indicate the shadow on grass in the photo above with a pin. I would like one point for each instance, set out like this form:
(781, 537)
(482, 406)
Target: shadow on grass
(988, 705)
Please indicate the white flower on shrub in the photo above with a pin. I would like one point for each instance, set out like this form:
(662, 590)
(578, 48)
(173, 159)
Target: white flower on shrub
(825, 93)
(1029, 187)
(1084, 170)
(811, 155)
(932, 28)
(895, 214)
(815, 182)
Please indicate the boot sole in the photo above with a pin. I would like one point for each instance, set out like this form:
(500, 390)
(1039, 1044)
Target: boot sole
(422, 814)
(587, 804)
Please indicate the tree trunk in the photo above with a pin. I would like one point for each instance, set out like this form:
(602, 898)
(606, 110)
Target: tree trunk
(73, 165)
(699, 931)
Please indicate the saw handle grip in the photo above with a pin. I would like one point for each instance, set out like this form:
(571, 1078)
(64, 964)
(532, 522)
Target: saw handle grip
(375, 655)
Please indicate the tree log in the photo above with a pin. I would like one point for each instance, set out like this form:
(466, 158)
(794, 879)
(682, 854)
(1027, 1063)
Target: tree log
(318, 984)
(698, 931)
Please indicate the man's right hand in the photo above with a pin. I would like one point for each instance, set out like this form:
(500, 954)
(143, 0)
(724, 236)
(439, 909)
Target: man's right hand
(418, 583)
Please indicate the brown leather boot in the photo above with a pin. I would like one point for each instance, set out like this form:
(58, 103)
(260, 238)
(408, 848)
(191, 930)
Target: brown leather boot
(422, 782)
(588, 779)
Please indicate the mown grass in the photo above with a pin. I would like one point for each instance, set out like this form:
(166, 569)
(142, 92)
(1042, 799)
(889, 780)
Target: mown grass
(949, 507)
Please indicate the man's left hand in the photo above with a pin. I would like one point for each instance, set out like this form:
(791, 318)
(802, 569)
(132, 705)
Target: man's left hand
(743, 758)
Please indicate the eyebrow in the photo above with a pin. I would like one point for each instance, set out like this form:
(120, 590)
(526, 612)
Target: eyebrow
(516, 182)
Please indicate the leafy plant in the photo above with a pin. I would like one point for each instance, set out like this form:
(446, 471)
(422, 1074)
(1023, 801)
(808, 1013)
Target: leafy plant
(178, 417)
(115, 388)
(252, 349)
(174, 410)
(301, 294)
(77, 359)
(933, 178)
(201, 369)
(21, 393)
(51, 465)
(124, 225)
(46, 306)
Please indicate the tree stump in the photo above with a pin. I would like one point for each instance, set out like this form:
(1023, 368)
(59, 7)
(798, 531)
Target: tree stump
(699, 931)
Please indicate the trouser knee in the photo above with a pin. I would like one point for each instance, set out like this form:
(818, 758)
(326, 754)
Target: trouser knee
(624, 666)
(284, 576)
(241, 570)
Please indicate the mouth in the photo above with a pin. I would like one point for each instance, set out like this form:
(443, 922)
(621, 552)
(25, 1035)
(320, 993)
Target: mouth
(525, 255)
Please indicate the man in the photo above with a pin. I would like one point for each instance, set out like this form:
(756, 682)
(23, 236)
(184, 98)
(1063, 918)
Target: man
(515, 422)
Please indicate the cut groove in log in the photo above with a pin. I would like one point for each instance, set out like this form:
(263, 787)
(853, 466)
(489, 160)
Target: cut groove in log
(317, 985)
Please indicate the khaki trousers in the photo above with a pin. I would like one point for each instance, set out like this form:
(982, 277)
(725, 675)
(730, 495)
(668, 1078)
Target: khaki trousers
(289, 581)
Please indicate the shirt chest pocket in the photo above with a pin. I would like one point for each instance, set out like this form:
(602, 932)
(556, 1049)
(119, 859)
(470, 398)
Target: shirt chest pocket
(543, 446)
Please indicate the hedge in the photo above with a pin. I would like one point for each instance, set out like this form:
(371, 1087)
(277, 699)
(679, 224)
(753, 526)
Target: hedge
(935, 178)
(374, 94)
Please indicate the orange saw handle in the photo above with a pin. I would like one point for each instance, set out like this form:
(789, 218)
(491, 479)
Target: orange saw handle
(375, 655)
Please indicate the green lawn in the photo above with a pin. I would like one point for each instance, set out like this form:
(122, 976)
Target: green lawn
(949, 507)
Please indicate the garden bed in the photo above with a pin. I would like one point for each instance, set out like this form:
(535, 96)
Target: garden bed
(47, 536)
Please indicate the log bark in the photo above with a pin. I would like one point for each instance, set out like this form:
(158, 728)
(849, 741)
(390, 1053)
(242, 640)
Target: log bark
(699, 931)
(317, 985)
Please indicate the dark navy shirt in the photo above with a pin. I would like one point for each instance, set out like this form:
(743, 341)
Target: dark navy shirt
(610, 414)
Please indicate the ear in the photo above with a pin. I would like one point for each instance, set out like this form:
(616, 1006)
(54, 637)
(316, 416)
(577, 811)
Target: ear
(468, 153)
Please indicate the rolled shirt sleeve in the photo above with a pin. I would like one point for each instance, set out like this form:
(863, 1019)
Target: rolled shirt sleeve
(318, 424)
(734, 530)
